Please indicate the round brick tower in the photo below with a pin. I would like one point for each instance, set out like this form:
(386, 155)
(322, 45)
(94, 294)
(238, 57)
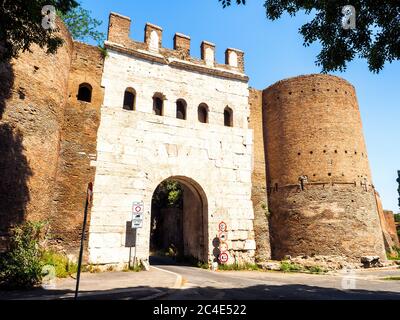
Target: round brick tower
(320, 193)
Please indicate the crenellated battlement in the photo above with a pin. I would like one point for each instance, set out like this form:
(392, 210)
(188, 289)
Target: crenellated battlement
(152, 49)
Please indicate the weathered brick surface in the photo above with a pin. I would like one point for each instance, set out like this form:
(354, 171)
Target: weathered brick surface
(32, 101)
(77, 145)
(391, 227)
(258, 178)
(313, 129)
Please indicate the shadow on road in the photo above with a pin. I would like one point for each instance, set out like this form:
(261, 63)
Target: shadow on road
(257, 292)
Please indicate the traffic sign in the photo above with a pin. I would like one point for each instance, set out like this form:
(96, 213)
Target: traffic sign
(138, 207)
(222, 226)
(223, 257)
(137, 223)
(223, 247)
(223, 236)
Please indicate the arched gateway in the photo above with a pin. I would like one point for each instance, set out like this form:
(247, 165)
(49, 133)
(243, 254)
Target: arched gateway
(138, 149)
(179, 219)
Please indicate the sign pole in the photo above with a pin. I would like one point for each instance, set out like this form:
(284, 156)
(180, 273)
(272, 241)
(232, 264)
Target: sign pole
(88, 201)
(134, 258)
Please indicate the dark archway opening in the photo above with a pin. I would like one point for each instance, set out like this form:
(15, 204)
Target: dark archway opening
(158, 106)
(85, 92)
(129, 99)
(181, 109)
(179, 221)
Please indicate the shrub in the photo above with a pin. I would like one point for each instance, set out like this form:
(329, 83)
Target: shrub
(395, 254)
(21, 266)
(137, 267)
(290, 267)
(316, 269)
(61, 263)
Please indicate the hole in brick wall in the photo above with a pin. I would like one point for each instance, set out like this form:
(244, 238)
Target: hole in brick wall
(355, 152)
(311, 152)
(85, 92)
(345, 92)
(345, 151)
(324, 151)
(290, 93)
(327, 89)
(299, 154)
(335, 151)
(314, 175)
(336, 90)
(352, 200)
(329, 174)
(313, 89)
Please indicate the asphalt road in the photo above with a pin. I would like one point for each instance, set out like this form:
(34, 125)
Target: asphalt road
(256, 285)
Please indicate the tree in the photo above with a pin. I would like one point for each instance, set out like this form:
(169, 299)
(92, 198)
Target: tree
(376, 37)
(81, 25)
(21, 26)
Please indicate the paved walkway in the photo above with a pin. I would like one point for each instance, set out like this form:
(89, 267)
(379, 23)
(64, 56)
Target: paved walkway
(106, 285)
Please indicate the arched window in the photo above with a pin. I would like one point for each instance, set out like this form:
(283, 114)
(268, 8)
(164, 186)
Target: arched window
(85, 92)
(202, 113)
(228, 117)
(181, 109)
(158, 104)
(129, 99)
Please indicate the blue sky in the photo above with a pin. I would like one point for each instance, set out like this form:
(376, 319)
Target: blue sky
(274, 51)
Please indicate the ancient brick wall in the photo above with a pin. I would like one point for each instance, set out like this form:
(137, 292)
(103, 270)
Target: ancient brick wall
(389, 217)
(258, 178)
(33, 95)
(319, 183)
(77, 145)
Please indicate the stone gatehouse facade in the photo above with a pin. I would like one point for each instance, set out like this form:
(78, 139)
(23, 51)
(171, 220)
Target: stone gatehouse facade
(282, 167)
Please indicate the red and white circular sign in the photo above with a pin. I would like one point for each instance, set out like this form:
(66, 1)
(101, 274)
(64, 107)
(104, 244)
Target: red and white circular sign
(222, 226)
(223, 257)
(223, 247)
(223, 236)
(138, 207)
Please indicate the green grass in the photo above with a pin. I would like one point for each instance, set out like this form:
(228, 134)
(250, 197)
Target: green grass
(238, 267)
(392, 278)
(290, 267)
(137, 267)
(60, 262)
(316, 270)
(287, 266)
